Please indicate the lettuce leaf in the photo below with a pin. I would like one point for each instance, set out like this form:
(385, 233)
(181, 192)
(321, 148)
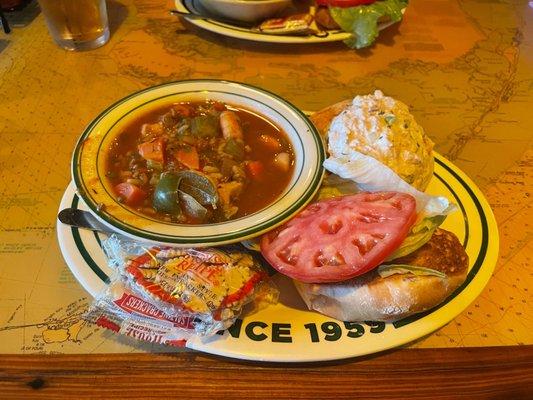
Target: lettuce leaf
(362, 21)
(386, 270)
(334, 186)
(418, 236)
(373, 176)
(369, 174)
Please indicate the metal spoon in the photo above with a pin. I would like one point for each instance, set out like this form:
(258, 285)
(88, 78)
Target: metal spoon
(82, 219)
(85, 220)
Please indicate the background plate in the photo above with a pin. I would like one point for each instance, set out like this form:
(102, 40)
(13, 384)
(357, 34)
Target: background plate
(212, 25)
(287, 331)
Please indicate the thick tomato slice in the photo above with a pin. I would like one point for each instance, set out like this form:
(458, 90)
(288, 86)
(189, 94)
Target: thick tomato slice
(340, 238)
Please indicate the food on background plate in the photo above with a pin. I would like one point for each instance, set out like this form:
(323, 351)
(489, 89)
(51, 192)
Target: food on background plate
(358, 22)
(324, 19)
(352, 255)
(199, 162)
(358, 17)
(298, 24)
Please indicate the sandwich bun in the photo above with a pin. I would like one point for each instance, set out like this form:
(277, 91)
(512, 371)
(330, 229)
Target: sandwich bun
(373, 297)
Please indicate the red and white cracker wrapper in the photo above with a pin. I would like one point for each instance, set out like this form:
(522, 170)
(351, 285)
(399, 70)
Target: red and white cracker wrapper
(298, 24)
(165, 295)
(124, 312)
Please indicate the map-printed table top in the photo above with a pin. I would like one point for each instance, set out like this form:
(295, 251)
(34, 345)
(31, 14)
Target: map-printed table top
(465, 68)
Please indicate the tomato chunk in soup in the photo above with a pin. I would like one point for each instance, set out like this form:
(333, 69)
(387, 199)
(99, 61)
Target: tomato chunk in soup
(199, 162)
(340, 238)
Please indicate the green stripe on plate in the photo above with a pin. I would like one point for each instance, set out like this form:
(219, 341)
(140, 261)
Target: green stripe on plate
(479, 260)
(83, 251)
(461, 207)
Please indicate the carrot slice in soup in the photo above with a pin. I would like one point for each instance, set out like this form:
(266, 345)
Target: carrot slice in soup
(130, 194)
(255, 169)
(189, 157)
(154, 150)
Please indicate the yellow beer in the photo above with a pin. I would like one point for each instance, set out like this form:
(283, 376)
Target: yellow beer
(76, 24)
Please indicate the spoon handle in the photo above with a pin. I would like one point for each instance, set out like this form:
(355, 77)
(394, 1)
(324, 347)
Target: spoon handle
(82, 219)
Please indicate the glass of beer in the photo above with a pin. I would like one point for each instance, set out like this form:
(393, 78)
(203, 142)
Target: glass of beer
(76, 24)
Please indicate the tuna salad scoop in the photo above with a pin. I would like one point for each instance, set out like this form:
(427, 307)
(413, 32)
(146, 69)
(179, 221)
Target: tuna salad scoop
(380, 127)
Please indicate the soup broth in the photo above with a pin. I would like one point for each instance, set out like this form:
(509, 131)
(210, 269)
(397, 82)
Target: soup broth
(199, 162)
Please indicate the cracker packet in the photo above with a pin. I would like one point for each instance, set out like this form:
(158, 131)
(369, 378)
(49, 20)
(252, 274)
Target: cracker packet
(166, 294)
(125, 312)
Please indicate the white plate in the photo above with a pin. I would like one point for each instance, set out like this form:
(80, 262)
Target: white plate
(212, 25)
(288, 332)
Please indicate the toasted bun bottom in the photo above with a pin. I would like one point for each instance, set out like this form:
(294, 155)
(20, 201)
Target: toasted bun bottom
(371, 297)
(385, 299)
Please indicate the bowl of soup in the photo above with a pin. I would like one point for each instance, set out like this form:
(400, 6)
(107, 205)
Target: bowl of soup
(198, 163)
(246, 10)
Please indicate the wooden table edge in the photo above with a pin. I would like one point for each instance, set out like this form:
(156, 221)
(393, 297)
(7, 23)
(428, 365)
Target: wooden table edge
(473, 373)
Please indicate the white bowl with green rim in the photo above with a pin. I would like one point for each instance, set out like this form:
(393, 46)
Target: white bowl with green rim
(89, 163)
(246, 10)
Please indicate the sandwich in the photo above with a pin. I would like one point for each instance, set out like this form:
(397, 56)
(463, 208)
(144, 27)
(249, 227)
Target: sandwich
(374, 251)
(396, 289)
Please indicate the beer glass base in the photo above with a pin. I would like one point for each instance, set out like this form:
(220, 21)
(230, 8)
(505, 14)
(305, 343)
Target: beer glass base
(76, 45)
